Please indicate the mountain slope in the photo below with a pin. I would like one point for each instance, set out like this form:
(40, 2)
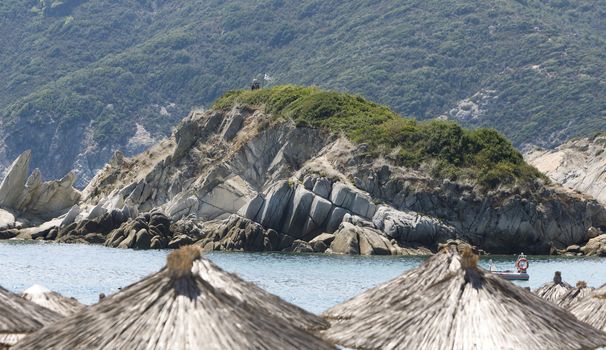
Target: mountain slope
(82, 78)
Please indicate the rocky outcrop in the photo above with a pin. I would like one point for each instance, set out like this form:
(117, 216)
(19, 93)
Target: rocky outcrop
(92, 229)
(595, 246)
(146, 231)
(579, 164)
(241, 180)
(32, 196)
(240, 234)
(352, 239)
(14, 182)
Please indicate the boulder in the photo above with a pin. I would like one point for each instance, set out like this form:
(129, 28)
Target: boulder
(320, 243)
(13, 183)
(8, 234)
(342, 195)
(275, 205)
(308, 183)
(372, 242)
(409, 226)
(593, 232)
(96, 212)
(251, 209)
(298, 212)
(7, 220)
(285, 242)
(318, 213)
(46, 199)
(233, 125)
(184, 207)
(93, 238)
(352, 239)
(129, 241)
(335, 219)
(299, 246)
(146, 231)
(346, 240)
(363, 206)
(179, 241)
(322, 187)
(71, 216)
(575, 248)
(240, 234)
(103, 224)
(142, 239)
(595, 246)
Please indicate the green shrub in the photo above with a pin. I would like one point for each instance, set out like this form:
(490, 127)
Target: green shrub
(483, 154)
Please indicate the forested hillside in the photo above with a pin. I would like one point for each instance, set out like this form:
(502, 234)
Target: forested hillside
(81, 78)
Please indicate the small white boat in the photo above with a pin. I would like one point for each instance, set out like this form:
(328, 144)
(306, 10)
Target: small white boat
(519, 274)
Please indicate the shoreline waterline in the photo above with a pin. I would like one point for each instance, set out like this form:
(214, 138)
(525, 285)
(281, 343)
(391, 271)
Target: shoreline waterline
(312, 281)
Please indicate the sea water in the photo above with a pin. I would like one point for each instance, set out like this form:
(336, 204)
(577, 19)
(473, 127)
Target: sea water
(312, 281)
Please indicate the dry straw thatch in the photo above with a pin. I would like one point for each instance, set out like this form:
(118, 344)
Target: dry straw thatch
(19, 317)
(449, 303)
(555, 290)
(190, 304)
(562, 293)
(52, 300)
(576, 294)
(592, 309)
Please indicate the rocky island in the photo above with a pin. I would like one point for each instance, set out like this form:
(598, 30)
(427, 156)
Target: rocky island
(304, 170)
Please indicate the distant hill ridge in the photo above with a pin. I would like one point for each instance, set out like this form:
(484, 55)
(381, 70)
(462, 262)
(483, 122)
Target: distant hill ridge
(83, 78)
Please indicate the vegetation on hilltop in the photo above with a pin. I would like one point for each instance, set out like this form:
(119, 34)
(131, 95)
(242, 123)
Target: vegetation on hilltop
(481, 154)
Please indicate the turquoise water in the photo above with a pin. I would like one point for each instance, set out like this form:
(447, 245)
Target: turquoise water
(314, 282)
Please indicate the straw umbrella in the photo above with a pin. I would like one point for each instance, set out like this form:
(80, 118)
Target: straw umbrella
(52, 300)
(449, 303)
(555, 290)
(592, 309)
(189, 304)
(19, 317)
(574, 295)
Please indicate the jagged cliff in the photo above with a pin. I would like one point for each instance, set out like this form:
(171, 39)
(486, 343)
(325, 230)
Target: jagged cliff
(241, 178)
(579, 164)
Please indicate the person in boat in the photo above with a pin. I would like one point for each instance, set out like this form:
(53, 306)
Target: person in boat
(491, 266)
(255, 85)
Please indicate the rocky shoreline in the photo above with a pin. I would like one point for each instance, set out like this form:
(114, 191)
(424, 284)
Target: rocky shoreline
(241, 180)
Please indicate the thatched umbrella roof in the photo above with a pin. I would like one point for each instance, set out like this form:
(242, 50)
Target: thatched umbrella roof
(449, 303)
(554, 291)
(19, 317)
(52, 300)
(574, 295)
(592, 309)
(190, 304)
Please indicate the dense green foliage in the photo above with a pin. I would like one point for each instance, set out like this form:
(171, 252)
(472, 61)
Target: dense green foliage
(72, 58)
(480, 154)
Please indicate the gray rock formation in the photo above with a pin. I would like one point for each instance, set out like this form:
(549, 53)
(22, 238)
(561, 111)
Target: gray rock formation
(32, 196)
(595, 246)
(579, 164)
(14, 182)
(240, 180)
(364, 240)
(147, 231)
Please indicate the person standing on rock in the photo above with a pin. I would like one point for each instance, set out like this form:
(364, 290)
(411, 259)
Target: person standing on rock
(255, 85)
